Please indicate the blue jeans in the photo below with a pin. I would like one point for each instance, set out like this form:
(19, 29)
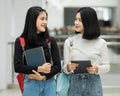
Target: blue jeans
(85, 85)
(39, 88)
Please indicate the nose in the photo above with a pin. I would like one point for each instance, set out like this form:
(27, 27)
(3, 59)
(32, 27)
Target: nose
(76, 22)
(45, 21)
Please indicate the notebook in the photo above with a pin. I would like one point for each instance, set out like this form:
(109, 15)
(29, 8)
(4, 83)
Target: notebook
(35, 56)
(82, 65)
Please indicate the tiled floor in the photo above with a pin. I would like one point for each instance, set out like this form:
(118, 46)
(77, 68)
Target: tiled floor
(112, 92)
(10, 92)
(16, 92)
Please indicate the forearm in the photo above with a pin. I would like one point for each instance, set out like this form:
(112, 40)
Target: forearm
(55, 69)
(103, 69)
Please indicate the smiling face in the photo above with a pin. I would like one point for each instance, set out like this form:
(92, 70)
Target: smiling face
(78, 23)
(41, 22)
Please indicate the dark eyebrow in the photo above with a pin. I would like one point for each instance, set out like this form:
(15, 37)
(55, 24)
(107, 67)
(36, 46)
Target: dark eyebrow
(78, 18)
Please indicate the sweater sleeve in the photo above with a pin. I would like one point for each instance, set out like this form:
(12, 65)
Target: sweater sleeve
(19, 66)
(66, 55)
(56, 67)
(104, 66)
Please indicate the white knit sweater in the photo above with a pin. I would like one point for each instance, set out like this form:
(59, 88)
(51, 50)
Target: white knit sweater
(82, 49)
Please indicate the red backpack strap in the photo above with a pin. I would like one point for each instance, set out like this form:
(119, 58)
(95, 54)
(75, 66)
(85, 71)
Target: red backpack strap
(20, 76)
(48, 41)
(22, 42)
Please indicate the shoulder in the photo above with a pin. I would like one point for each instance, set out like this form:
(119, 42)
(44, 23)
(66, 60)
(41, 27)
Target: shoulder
(52, 39)
(17, 43)
(69, 39)
(102, 41)
(17, 40)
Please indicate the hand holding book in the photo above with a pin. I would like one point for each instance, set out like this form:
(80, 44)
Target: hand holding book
(82, 66)
(45, 68)
(92, 69)
(71, 66)
(36, 76)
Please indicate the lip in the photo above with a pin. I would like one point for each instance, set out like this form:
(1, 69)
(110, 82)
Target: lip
(77, 26)
(44, 26)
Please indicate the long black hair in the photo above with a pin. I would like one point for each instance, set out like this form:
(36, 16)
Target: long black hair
(30, 29)
(90, 23)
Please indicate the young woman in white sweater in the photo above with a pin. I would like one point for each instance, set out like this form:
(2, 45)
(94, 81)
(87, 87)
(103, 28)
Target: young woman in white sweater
(86, 45)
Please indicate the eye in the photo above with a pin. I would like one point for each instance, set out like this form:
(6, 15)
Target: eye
(75, 19)
(80, 20)
(42, 18)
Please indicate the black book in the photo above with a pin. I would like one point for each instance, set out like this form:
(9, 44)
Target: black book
(35, 56)
(82, 65)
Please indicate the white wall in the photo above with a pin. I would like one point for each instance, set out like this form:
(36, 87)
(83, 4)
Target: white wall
(55, 17)
(80, 3)
(117, 14)
(5, 29)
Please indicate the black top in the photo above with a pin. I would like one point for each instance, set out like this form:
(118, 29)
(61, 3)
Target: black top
(23, 68)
